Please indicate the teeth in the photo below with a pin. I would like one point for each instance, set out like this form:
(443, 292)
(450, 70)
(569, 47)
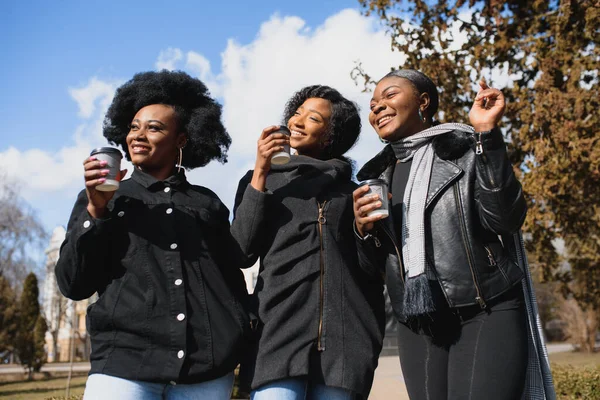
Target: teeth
(296, 133)
(383, 119)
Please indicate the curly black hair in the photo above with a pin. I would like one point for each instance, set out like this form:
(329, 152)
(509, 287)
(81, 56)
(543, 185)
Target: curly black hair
(198, 115)
(344, 125)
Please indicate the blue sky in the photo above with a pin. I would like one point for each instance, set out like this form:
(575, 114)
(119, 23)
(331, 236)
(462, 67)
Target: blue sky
(62, 61)
(49, 46)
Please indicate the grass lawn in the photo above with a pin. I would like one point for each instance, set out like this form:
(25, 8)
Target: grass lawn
(41, 389)
(575, 359)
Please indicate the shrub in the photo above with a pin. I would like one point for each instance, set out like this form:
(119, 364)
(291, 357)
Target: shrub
(576, 383)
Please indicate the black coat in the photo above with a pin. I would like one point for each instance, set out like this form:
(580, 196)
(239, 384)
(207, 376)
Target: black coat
(473, 201)
(166, 271)
(321, 316)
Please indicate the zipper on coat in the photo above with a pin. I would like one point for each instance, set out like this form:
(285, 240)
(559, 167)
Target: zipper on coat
(321, 221)
(490, 255)
(463, 230)
(479, 152)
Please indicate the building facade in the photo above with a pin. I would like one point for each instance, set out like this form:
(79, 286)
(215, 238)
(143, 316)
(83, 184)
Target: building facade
(67, 333)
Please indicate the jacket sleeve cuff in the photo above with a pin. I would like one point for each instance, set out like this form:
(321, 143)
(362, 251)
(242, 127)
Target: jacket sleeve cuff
(367, 238)
(86, 225)
(491, 140)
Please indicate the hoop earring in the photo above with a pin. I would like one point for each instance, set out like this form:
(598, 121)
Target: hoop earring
(422, 117)
(383, 140)
(180, 159)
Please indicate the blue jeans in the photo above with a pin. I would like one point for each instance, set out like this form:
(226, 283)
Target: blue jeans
(299, 389)
(100, 386)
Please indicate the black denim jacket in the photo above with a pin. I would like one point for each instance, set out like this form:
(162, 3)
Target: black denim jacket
(167, 274)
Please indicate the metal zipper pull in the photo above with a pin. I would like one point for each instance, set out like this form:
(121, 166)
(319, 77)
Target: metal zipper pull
(490, 257)
(377, 241)
(321, 219)
(478, 144)
(481, 302)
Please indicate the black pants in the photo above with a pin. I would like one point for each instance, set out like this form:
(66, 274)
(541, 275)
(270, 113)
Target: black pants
(467, 352)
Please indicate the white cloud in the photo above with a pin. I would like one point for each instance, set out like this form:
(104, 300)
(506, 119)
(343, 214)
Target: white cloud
(167, 59)
(254, 82)
(88, 96)
(258, 78)
(199, 66)
(44, 172)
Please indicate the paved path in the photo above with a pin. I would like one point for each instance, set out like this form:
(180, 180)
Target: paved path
(388, 383)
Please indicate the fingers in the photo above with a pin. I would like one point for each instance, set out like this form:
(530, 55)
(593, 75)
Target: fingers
(364, 204)
(270, 143)
(483, 84)
(267, 147)
(487, 93)
(360, 192)
(93, 163)
(94, 172)
(267, 131)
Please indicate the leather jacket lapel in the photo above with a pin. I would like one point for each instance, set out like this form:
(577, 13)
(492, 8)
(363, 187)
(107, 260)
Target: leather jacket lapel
(444, 173)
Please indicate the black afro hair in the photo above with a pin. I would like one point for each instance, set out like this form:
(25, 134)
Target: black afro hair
(344, 126)
(198, 115)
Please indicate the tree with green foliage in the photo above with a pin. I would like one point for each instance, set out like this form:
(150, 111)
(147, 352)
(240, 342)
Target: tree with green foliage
(28, 345)
(39, 342)
(9, 316)
(544, 56)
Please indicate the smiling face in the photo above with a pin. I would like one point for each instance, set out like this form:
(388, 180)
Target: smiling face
(395, 109)
(153, 140)
(309, 126)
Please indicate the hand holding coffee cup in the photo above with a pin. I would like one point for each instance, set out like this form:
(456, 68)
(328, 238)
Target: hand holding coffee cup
(102, 176)
(272, 142)
(283, 156)
(371, 203)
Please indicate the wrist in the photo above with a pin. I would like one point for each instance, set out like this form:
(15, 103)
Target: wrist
(259, 180)
(359, 231)
(484, 127)
(96, 212)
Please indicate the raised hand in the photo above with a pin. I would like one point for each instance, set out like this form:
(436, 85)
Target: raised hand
(94, 175)
(268, 144)
(488, 108)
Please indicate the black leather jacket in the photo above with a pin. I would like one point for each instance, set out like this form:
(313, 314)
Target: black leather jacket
(473, 200)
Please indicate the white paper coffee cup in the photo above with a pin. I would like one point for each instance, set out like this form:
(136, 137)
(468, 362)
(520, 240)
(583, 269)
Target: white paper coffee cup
(113, 158)
(282, 157)
(379, 187)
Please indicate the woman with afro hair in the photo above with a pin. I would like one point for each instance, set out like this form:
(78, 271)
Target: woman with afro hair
(320, 317)
(168, 322)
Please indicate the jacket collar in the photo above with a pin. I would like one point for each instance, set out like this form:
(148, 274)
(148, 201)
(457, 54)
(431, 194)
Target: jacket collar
(447, 147)
(336, 168)
(176, 180)
(450, 146)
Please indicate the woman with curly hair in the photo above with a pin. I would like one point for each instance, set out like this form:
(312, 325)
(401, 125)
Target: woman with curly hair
(168, 322)
(320, 317)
